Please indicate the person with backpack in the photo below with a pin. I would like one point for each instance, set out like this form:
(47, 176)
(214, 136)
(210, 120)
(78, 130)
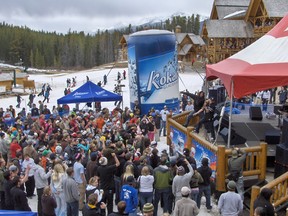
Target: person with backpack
(235, 168)
(196, 179)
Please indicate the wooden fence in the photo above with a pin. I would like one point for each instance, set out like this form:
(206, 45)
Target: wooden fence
(280, 192)
(256, 159)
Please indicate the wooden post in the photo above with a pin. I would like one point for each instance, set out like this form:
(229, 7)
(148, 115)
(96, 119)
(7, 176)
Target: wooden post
(263, 160)
(189, 137)
(221, 169)
(254, 194)
(169, 117)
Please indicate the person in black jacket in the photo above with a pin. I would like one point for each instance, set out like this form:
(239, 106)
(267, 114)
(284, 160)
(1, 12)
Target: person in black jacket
(8, 184)
(157, 120)
(106, 174)
(204, 187)
(90, 209)
(34, 111)
(19, 196)
(199, 100)
(207, 118)
(263, 201)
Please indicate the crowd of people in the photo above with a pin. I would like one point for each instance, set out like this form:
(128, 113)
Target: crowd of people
(84, 159)
(91, 160)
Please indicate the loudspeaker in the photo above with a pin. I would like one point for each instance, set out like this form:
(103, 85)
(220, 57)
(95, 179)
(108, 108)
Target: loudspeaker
(279, 170)
(235, 138)
(218, 93)
(284, 137)
(272, 137)
(281, 155)
(281, 160)
(255, 113)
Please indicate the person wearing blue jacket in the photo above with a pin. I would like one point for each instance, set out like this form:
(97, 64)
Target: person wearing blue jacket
(130, 195)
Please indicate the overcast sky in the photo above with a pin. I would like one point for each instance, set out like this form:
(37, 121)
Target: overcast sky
(90, 15)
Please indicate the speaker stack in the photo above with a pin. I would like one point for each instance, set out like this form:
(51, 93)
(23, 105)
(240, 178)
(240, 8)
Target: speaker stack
(255, 113)
(235, 139)
(218, 93)
(281, 158)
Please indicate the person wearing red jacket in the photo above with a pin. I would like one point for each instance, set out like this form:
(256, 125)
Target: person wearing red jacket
(14, 148)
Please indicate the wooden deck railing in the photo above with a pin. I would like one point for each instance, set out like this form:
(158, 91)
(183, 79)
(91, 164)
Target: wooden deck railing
(256, 160)
(280, 189)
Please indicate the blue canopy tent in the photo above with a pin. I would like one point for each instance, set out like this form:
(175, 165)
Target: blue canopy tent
(88, 93)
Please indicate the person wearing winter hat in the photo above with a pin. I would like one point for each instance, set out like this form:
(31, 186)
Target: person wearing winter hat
(106, 174)
(181, 179)
(44, 159)
(103, 161)
(185, 206)
(230, 203)
(148, 209)
(58, 151)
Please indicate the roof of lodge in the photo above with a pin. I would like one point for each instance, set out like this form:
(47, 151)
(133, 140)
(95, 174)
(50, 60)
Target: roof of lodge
(229, 28)
(196, 39)
(180, 37)
(9, 76)
(276, 8)
(227, 7)
(185, 49)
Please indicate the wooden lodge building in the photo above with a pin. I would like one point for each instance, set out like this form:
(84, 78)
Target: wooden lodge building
(235, 24)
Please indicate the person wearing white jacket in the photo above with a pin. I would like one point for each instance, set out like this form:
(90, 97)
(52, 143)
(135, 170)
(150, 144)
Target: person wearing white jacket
(145, 182)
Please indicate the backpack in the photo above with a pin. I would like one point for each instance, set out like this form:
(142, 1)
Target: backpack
(234, 174)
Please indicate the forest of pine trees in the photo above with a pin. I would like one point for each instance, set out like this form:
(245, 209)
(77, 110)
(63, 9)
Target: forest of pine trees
(75, 50)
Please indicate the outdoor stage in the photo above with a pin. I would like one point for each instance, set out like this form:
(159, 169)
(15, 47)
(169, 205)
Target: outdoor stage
(253, 131)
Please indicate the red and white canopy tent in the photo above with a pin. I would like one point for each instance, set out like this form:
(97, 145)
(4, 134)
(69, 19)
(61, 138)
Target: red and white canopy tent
(260, 66)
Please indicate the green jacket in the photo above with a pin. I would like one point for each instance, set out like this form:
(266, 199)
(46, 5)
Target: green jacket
(163, 177)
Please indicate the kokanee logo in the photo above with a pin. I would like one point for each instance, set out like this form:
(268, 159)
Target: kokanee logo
(99, 93)
(80, 93)
(158, 81)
